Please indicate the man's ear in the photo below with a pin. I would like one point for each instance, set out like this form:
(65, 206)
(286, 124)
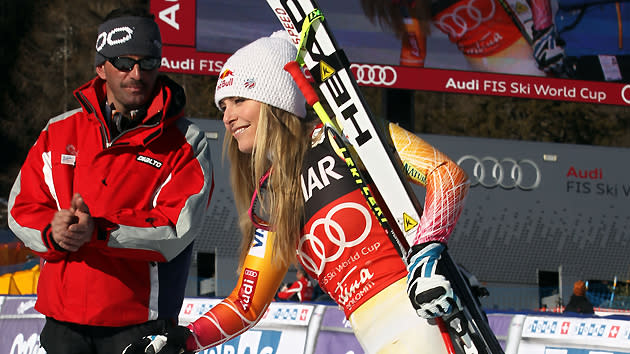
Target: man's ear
(100, 71)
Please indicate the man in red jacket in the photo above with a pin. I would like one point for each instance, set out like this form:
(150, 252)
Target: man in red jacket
(300, 290)
(112, 195)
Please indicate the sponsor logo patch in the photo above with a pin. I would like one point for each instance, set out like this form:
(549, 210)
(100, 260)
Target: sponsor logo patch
(226, 79)
(248, 287)
(68, 159)
(259, 245)
(149, 161)
(249, 83)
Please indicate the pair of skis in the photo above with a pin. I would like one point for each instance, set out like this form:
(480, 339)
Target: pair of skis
(327, 63)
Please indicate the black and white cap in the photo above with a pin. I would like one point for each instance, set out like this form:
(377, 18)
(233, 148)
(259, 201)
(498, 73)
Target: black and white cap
(128, 35)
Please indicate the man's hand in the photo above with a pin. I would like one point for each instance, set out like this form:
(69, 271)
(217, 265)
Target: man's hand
(71, 228)
(430, 293)
(174, 342)
(548, 50)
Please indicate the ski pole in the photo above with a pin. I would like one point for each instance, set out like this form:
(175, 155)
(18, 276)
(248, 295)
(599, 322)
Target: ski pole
(612, 295)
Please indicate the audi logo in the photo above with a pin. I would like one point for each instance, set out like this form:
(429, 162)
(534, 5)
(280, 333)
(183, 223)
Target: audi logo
(312, 250)
(506, 173)
(367, 74)
(466, 17)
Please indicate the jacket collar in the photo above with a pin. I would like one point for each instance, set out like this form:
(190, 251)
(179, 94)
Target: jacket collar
(166, 107)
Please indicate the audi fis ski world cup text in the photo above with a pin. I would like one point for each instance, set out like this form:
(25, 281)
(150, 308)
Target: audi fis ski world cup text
(526, 89)
(192, 65)
(591, 181)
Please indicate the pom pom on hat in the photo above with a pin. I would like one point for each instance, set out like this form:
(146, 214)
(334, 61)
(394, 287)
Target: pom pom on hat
(256, 71)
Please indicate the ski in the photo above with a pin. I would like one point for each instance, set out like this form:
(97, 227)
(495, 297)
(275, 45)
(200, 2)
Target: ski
(362, 179)
(330, 69)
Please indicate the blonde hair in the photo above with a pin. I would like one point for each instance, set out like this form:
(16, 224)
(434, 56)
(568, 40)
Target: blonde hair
(281, 142)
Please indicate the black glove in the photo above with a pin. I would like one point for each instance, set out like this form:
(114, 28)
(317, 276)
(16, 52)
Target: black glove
(548, 50)
(173, 342)
(430, 293)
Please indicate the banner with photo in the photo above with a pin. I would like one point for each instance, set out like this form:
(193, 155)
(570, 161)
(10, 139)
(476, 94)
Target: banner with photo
(567, 50)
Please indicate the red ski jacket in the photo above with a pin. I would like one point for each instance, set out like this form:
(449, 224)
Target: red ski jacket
(147, 190)
(300, 290)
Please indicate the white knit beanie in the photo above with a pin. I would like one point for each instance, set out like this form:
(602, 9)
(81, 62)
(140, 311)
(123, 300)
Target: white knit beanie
(256, 71)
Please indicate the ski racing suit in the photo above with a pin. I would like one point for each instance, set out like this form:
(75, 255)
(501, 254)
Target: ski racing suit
(147, 191)
(346, 250)
(479, 28)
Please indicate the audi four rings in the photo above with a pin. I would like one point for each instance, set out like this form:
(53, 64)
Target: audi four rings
(466, 17)
(506, 173)
(368, 74)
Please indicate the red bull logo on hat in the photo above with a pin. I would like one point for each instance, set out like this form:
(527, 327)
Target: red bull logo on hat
(226, 73)
(225, 79)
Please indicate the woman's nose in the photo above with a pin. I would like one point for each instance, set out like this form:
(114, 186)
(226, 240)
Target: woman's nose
(228, 115)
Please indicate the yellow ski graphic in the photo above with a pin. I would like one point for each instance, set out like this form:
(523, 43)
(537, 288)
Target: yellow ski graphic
(326, 70)
(409, 222)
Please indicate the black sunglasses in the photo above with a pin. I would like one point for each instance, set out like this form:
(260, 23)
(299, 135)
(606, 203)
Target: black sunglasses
(127, 64)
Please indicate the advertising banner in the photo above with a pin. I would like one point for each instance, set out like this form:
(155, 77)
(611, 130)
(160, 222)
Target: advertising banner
(278, 313)
(335, 334)
(500, 325)
(18, 307)
(263, 342)
(21, 335)
(543, 49)
(282, 329)
(177, 21)
(20, 325)
(574, 335)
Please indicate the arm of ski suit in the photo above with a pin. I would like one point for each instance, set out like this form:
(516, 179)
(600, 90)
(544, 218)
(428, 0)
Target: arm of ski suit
(244, 307)
(155, 227)
(548, 51)
(240, 311)
(446, 185)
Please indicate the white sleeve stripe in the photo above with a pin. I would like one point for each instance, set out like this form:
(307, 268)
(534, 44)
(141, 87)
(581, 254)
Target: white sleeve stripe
(48, 177)
(157, 192)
